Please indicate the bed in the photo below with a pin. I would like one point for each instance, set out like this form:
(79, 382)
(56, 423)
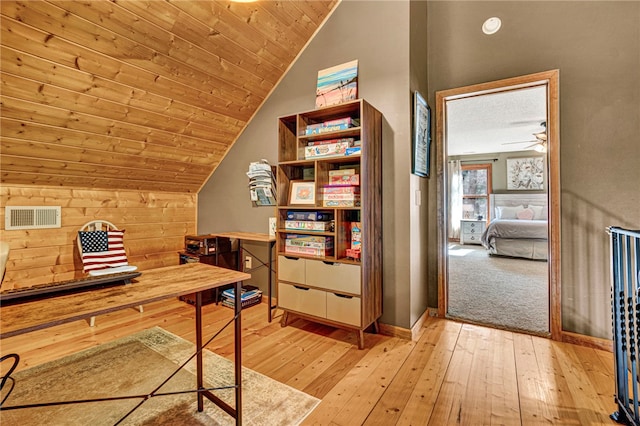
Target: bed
(518, 226)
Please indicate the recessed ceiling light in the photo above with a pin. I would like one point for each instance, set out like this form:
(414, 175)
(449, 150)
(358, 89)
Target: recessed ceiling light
(491, 25)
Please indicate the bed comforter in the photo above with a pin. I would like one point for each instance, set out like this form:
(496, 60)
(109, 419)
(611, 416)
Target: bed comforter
(514, 229)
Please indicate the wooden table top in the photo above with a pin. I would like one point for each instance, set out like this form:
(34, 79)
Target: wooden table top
(151, 286)
(247, 236)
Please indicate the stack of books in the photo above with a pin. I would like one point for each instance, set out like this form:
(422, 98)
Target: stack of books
(248, 297)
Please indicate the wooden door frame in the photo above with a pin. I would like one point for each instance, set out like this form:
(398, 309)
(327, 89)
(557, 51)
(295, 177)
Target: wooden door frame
(550, 79)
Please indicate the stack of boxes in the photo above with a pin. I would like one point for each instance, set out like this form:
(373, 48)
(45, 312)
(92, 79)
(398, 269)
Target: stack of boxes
(309, 245)
(343, 189)
(331, 147)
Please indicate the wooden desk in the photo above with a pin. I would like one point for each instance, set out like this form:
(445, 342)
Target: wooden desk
(259, 238)
(153, 285)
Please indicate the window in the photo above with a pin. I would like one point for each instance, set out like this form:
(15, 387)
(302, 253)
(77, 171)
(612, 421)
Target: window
(476, 184)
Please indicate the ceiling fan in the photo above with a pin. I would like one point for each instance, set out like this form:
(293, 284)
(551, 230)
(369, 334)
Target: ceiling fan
(540, 141)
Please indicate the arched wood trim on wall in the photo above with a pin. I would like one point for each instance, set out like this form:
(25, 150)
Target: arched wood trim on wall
(551, 79)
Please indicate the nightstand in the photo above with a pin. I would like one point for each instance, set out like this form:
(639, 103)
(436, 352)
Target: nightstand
(471, 230)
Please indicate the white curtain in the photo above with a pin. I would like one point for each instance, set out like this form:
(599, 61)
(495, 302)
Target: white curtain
(455, 198)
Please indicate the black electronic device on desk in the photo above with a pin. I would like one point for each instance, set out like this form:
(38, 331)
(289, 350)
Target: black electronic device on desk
(19, 295)
(212, 250)
(206, 244)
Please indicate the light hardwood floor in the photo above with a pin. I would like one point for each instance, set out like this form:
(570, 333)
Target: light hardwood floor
(453, 374)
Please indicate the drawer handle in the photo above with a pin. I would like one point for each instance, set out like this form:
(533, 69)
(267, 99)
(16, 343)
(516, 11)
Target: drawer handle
(343, 296)
(292, 258)
(328, 263)
(302, 288)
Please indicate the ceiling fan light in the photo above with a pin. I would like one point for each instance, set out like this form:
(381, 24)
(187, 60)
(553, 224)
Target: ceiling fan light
(542, 136)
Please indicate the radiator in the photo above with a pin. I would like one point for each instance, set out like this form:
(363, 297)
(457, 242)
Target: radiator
(625, 277)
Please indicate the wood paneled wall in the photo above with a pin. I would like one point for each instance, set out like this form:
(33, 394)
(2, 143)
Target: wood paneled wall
(155, 224)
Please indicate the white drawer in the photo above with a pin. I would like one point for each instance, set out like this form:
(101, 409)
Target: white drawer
(291, 269)
(302, 299)
(343, 309)
(475, 227)
(341, 277)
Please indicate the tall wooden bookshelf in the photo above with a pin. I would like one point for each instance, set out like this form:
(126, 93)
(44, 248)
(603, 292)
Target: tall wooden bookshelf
(334, 287)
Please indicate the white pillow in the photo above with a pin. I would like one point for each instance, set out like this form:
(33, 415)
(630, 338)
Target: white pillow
(505, 212)
(539, 212)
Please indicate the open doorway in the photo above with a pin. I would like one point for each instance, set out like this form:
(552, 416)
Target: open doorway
(498, 170)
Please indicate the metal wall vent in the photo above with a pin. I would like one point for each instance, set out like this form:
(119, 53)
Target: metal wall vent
(28, 217)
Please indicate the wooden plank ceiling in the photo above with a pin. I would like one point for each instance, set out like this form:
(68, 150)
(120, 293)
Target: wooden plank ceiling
(141, 95)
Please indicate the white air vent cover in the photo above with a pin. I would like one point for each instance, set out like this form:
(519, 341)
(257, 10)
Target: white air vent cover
(28, 217)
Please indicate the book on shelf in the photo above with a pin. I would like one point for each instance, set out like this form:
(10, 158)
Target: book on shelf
(341, 203)
(353, 122)
(351, 141)
(331, 126)
(337, 149)
(356, 235)
(309, 215)
(308, 251)
(312, 241)
(356, 150)
(327, 129)
(340, 189)
(308, 225)
(342, 172)
(344, 180)
(341, 197)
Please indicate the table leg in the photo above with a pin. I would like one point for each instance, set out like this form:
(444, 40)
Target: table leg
(238, 351)
(199, 374)
(269, 267)
(239, 261)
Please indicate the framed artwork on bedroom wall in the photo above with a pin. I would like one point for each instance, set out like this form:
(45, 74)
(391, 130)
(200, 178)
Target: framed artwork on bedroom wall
(525, 173)
(420, 158)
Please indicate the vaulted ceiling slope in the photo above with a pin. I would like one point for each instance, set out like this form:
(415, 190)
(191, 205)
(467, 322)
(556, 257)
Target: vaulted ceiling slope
(135, 94)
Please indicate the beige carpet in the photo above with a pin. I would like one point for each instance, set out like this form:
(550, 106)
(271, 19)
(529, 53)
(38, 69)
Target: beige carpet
(500, 291)
(136, 365)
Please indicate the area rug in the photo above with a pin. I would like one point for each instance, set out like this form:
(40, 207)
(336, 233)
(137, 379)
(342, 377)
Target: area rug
(136, 365)
(500, 291)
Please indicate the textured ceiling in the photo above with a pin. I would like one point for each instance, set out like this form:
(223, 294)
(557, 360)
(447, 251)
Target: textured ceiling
(146, 95)
(497, 122)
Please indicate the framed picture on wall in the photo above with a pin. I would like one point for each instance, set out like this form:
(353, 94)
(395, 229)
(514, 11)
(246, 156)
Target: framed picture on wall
(525, 173)
(420, 158)
(302, 192)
